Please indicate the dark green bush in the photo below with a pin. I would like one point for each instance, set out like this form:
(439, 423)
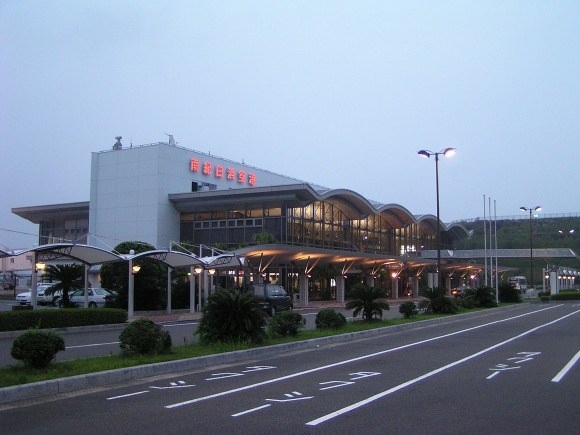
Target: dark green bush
(485, 297)
(63, 318)
(37, 348)
(566, 295)
(508, 293)
(286, 323)
(328, 318)
(144, 337)
(232, 317)
(467, 302)
(437, 302)
(544, 298)
(408, 309)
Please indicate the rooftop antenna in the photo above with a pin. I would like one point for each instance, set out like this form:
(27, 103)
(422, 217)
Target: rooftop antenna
(171, 140)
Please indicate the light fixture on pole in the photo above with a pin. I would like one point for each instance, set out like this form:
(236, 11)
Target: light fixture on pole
(40, 266)
(530, 210)
(447, 152)
(135, 268)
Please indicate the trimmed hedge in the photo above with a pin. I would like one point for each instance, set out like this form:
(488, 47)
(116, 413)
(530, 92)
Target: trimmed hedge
(63, 318)
(567, 295)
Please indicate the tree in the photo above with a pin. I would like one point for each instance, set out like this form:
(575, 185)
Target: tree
(232, 317)
(150, 281)
(367, 300)
(437, 302)
(264, 238)
(71, 277)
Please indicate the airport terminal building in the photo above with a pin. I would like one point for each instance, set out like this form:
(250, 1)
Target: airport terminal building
(285, 230)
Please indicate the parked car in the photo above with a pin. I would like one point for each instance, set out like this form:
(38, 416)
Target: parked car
(25, 298)
(461, 291)
(96, 297)
(273, 298)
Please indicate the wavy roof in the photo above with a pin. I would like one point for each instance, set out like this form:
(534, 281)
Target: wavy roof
(354, 205)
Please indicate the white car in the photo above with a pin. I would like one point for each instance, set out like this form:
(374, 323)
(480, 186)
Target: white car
(96, 297)
(41, 298)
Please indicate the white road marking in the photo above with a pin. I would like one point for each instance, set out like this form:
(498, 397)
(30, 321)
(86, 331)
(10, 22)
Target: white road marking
(566, 368)
(340, 363)
(169, 325)
(127, 395)
(251, 410)
(428, 375)
(92, 345)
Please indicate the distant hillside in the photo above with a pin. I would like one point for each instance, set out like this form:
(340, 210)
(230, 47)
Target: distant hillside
(547, 232)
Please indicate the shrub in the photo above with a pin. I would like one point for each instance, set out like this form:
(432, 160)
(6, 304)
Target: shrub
(144, 337)
(286, 323)
(232, 317)
(328, 318)
(64, 318)
(544, 298)
(485, 297)
(408, 309)
(467, 302)
(37, 348)
(437, 302)
(366, 300)
(508, 293)
(566, 295)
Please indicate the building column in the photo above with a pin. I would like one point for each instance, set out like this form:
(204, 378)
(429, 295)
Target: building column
(395, 287)
(340, 288)
(303, 290)
(416, 286)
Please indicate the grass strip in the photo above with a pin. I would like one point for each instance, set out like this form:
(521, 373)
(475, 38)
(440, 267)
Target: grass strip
(19, 374)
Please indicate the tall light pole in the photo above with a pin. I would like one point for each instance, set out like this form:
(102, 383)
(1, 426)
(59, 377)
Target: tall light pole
(531, 209)
(447, 152)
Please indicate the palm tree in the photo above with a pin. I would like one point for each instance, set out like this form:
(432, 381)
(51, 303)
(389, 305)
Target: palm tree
(232, 317)
(436, 302)
(367, 300)
(70, 277)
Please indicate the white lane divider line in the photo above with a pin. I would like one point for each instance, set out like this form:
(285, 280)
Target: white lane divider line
(348, 361)
(428, 375)
(566, 368)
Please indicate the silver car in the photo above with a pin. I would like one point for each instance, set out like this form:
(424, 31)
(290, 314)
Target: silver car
(96, 297)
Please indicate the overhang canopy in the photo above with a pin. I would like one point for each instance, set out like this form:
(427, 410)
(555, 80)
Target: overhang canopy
(85, 254)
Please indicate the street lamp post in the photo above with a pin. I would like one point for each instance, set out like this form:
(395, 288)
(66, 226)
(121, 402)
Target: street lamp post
(531, 209)
(447, 152)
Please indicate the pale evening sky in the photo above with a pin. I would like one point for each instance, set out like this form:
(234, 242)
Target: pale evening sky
(337, 93)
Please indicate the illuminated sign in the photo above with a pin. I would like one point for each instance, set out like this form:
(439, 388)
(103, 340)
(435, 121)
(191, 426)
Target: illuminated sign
(208, 169)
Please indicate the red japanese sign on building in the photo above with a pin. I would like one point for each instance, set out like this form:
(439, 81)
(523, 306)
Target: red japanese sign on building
(240, 176)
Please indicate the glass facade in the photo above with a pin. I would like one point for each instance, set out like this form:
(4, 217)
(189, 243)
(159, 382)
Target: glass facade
(68, 230)
(318, 224)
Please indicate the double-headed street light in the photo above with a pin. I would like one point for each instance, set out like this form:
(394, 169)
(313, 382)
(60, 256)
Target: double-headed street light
(447, 152)
(531, 209)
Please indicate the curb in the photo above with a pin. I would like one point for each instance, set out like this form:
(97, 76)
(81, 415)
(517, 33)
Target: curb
(102, 379)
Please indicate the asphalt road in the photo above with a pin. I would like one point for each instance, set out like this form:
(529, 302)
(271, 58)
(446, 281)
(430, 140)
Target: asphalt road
(504, 371)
